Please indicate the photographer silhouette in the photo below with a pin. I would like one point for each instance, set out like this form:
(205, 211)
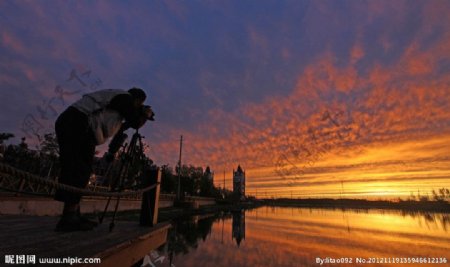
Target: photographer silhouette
(79, 129)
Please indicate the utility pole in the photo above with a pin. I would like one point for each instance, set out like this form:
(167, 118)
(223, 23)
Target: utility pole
(179, 169)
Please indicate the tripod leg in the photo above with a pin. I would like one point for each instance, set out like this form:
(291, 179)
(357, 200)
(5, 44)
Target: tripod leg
(126, 162)
(111, 225)
(104, 212)
(119, 180)
(113, 185)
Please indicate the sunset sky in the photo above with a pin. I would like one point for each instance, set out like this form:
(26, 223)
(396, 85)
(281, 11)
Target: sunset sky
(311, 98)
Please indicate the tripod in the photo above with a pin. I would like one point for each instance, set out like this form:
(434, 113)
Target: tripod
(126, 173)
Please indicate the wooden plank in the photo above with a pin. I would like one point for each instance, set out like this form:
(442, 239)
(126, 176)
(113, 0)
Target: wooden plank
(36, 236)
(130, 252)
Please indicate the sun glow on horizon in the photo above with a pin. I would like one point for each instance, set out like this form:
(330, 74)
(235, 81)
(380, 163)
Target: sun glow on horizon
(389, 171)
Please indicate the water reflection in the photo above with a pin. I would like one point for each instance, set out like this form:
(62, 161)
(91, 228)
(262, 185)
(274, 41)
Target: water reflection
(238, 229)
(429, 219)
(272, 236)
(186, 234)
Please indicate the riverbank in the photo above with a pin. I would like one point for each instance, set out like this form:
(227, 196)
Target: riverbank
(426, 206)
(172, 213)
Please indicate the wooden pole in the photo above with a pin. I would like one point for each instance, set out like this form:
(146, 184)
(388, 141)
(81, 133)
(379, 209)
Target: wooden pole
(150, 199)
(179, 170)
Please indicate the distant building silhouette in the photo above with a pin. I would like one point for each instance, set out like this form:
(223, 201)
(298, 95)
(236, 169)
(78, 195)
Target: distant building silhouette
(209, 174)
(239, 183)
(238, 227)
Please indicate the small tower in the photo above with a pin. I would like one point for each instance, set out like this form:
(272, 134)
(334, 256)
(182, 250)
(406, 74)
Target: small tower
(209, 174)
(239, 183)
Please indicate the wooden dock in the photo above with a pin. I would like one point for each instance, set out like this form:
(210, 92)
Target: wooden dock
(124, 246)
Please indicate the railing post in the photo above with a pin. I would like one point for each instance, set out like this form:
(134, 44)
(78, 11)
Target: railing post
(150, 199)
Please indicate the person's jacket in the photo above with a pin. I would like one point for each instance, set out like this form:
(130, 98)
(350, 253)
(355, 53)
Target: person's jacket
(106, 111)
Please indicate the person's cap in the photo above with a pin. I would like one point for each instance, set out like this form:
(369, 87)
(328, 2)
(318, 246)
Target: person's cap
(137, 93)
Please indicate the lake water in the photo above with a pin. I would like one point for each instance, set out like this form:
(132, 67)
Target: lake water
(269, 236)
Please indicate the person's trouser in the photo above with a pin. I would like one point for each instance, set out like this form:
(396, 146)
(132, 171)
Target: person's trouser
(76, 151)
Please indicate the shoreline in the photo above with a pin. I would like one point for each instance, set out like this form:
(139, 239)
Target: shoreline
(173, 213)
(419, 206)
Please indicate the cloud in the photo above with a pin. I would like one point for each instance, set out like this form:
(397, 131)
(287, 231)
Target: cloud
(384, 102)
(263, 86)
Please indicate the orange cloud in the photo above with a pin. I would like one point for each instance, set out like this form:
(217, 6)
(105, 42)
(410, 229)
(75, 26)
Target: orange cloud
(347, 111)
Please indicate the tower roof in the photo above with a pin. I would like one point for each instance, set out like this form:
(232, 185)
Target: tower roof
(239, 169)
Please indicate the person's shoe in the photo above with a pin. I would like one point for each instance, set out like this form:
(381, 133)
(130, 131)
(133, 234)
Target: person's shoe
(71, 223)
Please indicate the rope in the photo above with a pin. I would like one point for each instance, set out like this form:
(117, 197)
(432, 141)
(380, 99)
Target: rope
(7, 169)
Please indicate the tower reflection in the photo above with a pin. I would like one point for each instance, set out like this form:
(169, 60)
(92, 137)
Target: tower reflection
(238, 226)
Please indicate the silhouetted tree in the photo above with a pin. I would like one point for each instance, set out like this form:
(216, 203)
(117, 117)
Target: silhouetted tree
(206, 183)
(168, 180)
(5, 136)
(193, 181)
(190, 179)
(23, 145)
(443, 194)
(49, 146)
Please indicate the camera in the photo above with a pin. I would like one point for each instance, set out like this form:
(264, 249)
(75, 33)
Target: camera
(148, 113)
